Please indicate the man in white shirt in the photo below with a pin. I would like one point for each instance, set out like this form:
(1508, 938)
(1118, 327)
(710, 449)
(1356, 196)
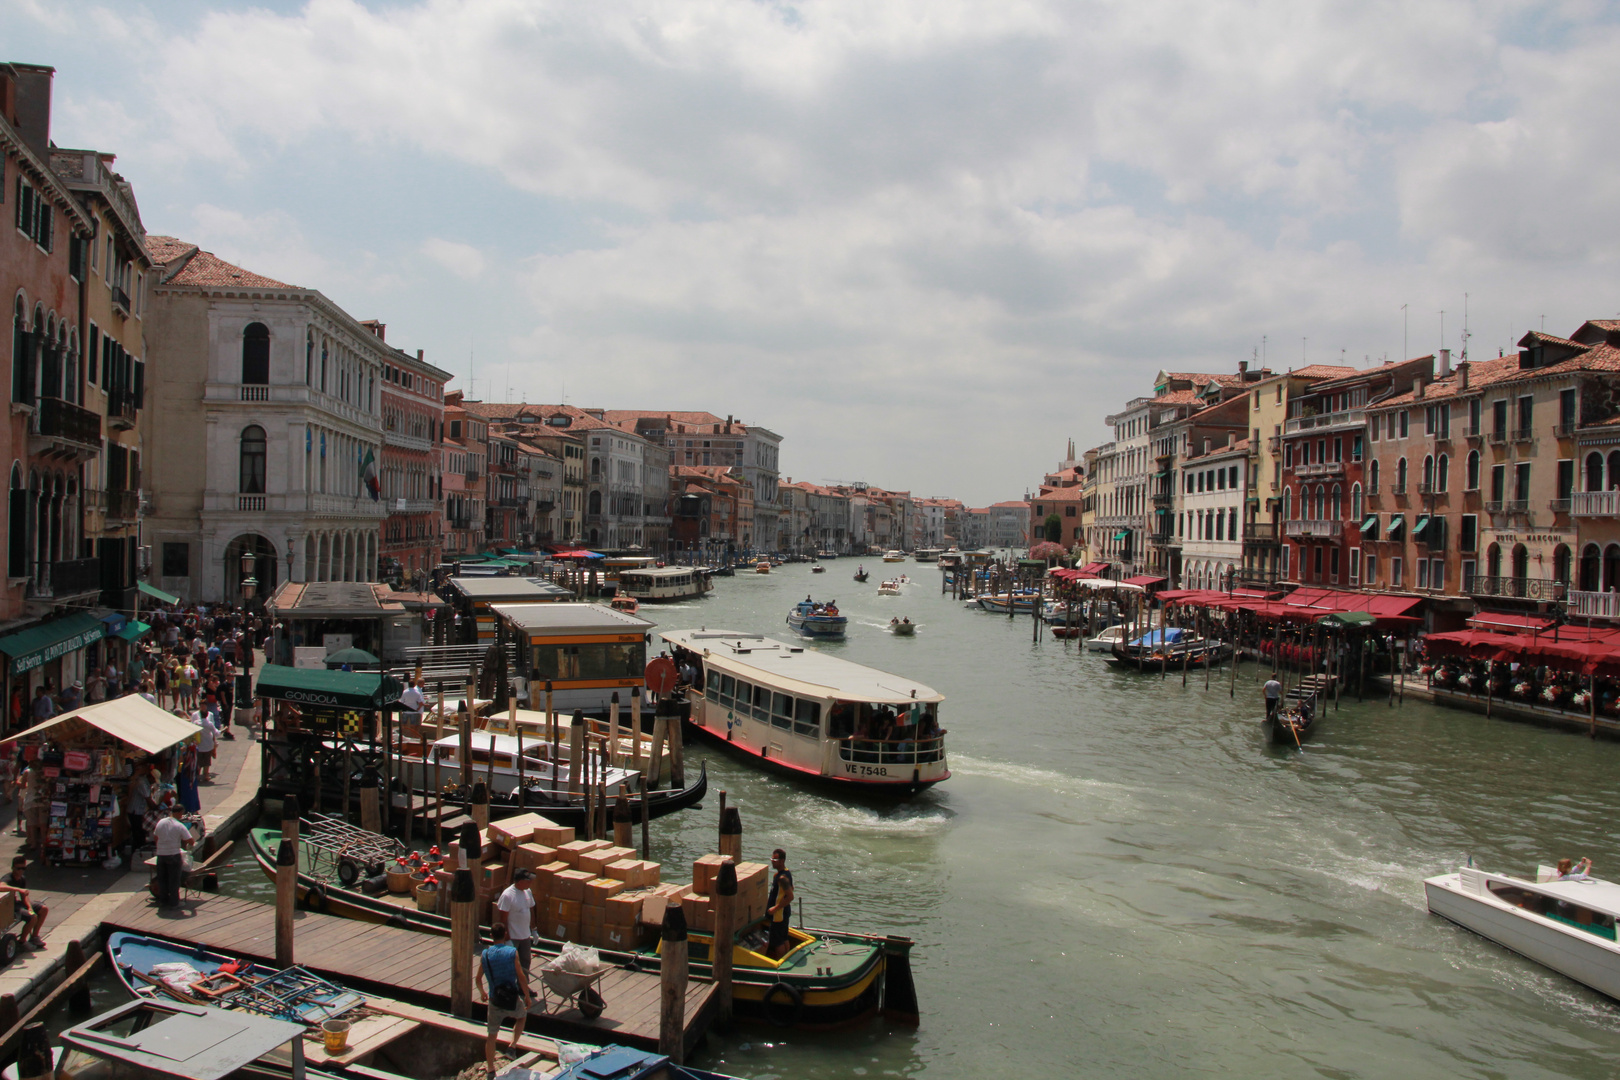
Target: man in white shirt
(414, 701)
(515, 911)
(204, 719)
(172, 838)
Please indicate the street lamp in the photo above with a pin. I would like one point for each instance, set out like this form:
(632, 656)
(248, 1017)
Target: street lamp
(249, 583)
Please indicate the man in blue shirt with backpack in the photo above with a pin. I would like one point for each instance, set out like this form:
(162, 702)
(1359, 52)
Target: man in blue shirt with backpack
(508, 994)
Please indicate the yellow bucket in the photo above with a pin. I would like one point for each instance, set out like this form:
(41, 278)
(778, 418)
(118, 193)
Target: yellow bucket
(337, 1035)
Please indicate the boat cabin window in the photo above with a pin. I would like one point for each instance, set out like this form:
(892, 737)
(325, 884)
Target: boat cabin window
(1570, 914)
(728, 687)
(807, 718)
(841, 720)
(762, 703)
(781, 711)
(745, 695)
(589, 661)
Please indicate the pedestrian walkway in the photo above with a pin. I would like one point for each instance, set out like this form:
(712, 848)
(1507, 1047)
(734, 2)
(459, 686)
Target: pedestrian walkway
(80, 897)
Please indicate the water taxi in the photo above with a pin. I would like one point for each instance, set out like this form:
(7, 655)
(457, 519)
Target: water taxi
(817, 620)
(890, 587)
(823, 556)
(1567, 925)
(894, 556)
(627, 604)
(812, 715)
(762, 567)
(665, 584)
(817, 568)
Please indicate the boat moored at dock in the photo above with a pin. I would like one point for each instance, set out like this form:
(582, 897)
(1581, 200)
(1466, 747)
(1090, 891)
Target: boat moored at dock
(812, 715)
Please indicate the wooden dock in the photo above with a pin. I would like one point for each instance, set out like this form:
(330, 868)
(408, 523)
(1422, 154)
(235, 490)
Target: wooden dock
(406, 965)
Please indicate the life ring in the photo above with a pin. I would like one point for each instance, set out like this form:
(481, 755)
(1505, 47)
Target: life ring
(348, 872)
(315, 899)
(780, 1013)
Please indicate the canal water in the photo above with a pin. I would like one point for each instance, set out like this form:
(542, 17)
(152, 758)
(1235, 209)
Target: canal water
(1120, 879)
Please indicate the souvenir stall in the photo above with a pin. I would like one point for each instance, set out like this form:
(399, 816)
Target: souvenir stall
(84, 759)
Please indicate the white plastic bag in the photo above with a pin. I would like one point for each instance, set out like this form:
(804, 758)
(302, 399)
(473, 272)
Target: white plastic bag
(579, 959)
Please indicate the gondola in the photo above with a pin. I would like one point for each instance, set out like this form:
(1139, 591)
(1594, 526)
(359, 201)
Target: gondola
(1172, 648)
(1295, 720)
(505, 803)
(862, 575)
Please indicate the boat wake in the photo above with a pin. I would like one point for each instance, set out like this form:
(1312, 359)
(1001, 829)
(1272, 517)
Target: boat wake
(1030, 776)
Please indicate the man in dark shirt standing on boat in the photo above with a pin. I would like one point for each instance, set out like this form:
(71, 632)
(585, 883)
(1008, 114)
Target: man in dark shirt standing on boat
(780, 905)
(1273, 690)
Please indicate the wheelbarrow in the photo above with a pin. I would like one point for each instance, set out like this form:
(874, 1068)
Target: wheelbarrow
(572, 988)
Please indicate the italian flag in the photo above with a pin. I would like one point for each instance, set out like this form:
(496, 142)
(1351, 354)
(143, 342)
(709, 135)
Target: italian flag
(368, 475)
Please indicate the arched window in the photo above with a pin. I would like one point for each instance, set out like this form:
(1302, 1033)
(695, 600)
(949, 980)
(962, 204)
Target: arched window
(1287, 504)
(250, 479)
(17, 521)
(1591, 569)
(1594, 471)
(1614, 470)
(1471, 483)
(1561, 558)
(256, 355)
(1372, 476)
(595, 504)
(1428, 472)
(1400, 475)
(1442, 473)
(21, 350)
(1355, 502)
(1493, 561)
(1321, 502)
(596, 468)
(309, 358)
(1338, 503)
(1521, 562)
(1611, 567)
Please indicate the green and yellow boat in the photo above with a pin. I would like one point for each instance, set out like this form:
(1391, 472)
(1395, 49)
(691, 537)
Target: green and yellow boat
(827, 979)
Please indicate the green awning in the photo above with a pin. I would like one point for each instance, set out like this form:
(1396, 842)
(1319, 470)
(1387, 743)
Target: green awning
(156, 593)
(30, 648)
(329, 689)
(134, 630)
(1122, 535)
(1417, 530)
(1395, 523)
(1370, 525)
(1348, 618)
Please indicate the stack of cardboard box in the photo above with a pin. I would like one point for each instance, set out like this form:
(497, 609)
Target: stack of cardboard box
(697, 901)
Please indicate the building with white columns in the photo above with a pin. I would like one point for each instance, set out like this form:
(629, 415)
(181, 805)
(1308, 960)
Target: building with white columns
(267, 433)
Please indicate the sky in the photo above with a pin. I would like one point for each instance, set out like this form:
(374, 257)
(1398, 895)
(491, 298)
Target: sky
(926, 241)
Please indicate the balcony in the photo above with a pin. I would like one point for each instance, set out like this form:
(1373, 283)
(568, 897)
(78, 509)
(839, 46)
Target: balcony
(472, 474)
(253, 504)
(1425, 488)
(1162, 498)
(1518, 506)
(1314, 529)
(1516, 588)
(1372, 489)
(1596, 503)
(544, 506)
(121, 411)
(1325, 421)
(1497, 438)
(1260, 532)
(61, 427)
(1594, 605)
(1493, 506)
(1473, 434)
(1325, 468)
(1564, 430)
(1559, 506)
(1398, 489)
(1163, 539)
(120, 301)
(253, 392)
(1274, 444)
(417, 443)
(508, 502)
(122, 505)
(1523, 434)
(69, 578)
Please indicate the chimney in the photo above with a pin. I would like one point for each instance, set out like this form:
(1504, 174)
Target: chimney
(1462, 375)
(728, 423)
(1243, 369)
(33, 106)
(1417, 389)
(1231, 439)
(419, 354)
(1445, 364)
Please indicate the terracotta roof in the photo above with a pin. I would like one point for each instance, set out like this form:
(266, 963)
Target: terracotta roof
(204, 269)
(1067, 494)
(1480, 373)
(706, 420)
(1203, 378)
(1323, 371)
(1011, 502)
(1239, 447)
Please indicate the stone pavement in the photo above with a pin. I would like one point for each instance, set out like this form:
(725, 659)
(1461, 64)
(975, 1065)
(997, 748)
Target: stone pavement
(80, 897)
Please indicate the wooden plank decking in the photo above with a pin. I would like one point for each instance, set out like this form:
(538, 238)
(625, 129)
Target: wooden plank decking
(405, 964)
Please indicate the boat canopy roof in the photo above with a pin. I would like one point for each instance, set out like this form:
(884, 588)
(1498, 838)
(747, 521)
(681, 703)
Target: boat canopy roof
(799, 671)
(1174, 635)
(508, 588)
(656, 572)
(563, 618)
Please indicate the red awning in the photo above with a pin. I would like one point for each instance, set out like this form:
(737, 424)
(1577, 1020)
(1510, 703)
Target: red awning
(1385, 607)
(1063, 573)
(1178, 596)
(1093, 569)
(1510, 620)
(1145, 580)
(581, 553)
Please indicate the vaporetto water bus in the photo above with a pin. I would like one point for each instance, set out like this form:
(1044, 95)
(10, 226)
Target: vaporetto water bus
(663, 584)
(811, 715)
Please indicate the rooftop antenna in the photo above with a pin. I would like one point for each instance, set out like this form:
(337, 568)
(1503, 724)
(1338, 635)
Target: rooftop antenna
(1544, 324)
(1262, 350)
(1442, 330)
(1405, 348)
(1303, 342)
(1465, 334)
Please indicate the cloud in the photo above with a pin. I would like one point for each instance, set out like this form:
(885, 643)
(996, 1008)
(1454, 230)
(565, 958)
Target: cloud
(462, 260)
(917, 218)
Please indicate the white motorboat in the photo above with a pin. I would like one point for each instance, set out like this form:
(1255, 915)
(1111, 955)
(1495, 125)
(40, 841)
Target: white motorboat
(1566, 925)
(1108, 640)
(890, 587)
(894, 556)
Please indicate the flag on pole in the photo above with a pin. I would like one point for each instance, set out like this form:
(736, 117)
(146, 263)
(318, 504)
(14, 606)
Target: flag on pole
(368, 475)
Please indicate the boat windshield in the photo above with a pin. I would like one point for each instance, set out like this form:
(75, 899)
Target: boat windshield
(1551, 907)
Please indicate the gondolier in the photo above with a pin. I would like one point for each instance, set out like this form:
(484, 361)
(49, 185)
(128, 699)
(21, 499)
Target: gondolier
(780, 904)
(1273, 690)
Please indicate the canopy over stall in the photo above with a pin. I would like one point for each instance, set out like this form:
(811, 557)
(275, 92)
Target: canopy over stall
(131, 720)
(329, 689)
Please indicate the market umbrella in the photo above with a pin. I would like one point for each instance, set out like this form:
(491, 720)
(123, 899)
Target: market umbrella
(353, 657)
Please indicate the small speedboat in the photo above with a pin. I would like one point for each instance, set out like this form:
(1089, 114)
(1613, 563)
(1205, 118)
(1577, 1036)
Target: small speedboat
(1107, 640)
(894, 556)
(890, 587)
(1068, 631)
(1567, 925)
(627, 604)
(902, 627)
(762, 567)
(817, 568)
(1020, 602)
